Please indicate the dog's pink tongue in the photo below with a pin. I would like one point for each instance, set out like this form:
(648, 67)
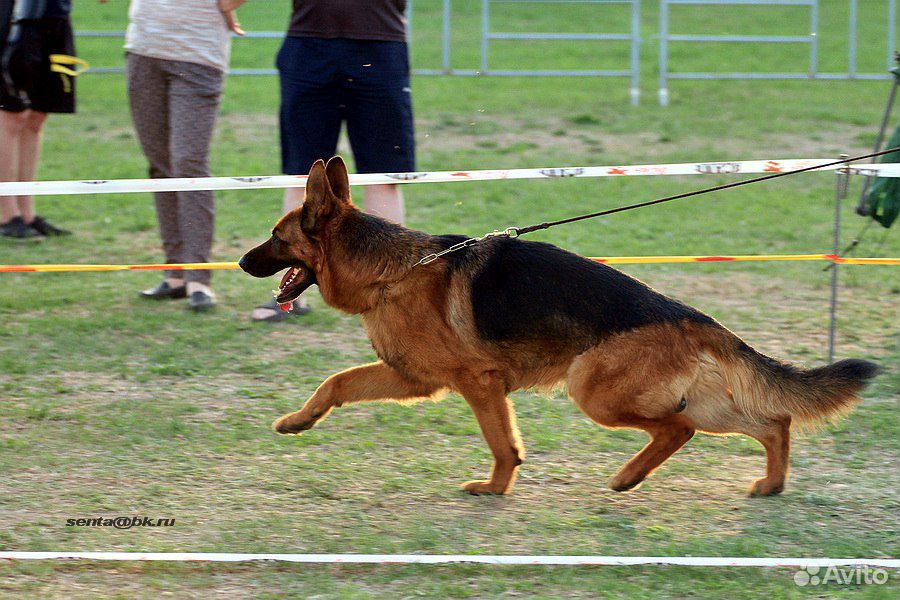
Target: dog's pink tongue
(286, 306)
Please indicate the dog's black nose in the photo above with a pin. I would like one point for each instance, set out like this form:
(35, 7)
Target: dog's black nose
(243, 262)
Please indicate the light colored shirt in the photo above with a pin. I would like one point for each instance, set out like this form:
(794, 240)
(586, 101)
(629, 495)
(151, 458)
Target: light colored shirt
(187, 30)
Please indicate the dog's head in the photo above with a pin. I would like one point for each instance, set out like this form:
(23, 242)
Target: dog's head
(298, 240)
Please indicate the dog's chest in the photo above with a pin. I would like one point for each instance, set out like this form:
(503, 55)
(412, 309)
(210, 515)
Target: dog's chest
(409, 342)
(392, 342)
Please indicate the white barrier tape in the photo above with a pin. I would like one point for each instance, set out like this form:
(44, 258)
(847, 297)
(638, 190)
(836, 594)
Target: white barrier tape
(435, 559)
(122, 186)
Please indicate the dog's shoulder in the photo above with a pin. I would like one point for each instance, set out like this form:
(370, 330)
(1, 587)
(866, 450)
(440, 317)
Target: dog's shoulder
(526, 290)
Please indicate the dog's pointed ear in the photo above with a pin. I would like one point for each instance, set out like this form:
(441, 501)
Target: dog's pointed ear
(318, 202)
(336, 173)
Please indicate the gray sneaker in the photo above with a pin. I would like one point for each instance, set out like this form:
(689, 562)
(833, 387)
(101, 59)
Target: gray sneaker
(201, 302)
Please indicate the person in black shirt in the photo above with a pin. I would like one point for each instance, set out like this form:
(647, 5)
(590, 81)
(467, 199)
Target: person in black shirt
(37, 77)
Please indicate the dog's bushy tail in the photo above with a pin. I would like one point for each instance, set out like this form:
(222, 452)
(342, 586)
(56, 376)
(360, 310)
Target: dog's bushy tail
(765, 387)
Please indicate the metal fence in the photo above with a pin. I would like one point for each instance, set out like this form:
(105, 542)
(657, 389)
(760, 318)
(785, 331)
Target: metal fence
(810, 38)
(633, 37)
(488, 34)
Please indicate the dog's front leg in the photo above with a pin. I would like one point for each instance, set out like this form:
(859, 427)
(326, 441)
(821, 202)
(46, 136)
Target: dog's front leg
(375, 381)
(497, 419)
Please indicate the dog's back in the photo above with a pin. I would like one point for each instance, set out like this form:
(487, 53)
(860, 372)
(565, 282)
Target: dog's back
(526, 290)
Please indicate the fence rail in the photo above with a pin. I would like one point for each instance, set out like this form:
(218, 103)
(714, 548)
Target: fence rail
(812, 39)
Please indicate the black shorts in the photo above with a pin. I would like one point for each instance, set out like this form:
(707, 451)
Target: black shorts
(27, 79)
(365, 83)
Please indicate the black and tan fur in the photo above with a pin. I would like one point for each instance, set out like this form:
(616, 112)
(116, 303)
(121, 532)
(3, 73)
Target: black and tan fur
(506, 315)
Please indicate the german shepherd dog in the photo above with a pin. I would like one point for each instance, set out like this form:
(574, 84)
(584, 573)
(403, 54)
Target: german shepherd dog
(506, 314)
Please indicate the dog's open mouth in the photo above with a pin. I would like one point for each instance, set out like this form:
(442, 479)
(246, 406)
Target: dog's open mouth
(294, 282)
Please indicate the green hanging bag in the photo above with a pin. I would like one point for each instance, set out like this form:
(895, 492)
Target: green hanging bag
(882, 199)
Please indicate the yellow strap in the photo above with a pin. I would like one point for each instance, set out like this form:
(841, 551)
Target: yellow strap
(622, 260)
(58, 62)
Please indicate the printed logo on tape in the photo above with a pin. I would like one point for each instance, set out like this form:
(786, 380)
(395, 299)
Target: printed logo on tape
(562, 172)
(96, 182)
(407, 176)
(722, 167)
(250, 179)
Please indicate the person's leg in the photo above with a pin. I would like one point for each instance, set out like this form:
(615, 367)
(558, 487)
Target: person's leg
(11, 126)
(380, 119)
(385, 201)
(293, 198)
(29, 154)
(193, 108)
(310, 113)
(148, 97)
(48, 92)
(310, 123)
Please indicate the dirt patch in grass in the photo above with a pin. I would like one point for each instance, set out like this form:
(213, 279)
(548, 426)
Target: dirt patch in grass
(528, 138)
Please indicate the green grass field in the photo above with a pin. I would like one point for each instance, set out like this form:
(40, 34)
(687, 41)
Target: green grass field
(112, 406)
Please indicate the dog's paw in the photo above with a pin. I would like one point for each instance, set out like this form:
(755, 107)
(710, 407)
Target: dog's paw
(478, 488)
(624, 484)
(293, 423)
(765, 487)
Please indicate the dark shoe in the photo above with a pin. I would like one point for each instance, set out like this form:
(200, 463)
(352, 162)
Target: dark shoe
(201, 301)
(164, 291)
(43, 227)
(298, 309)
(16, 230)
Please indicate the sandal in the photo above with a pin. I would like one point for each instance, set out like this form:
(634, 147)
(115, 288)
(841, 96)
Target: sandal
(298, 309)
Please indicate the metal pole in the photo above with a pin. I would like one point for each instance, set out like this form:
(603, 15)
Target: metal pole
(840, 192)
(445, 39)
(663, 52)
(635, 52)
(851, 61)
(485, 29)
(814, 39)
(892, 33)
(409, 17)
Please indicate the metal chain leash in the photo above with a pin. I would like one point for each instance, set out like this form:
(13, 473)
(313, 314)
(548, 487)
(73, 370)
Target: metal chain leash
(508, 232)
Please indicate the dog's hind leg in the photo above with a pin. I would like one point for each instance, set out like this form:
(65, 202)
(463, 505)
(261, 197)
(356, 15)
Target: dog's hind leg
(667, 433)
(713, 409)
(487, 399)
(638, 380)
(375, 381)
(775, 437)
(666, 437)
